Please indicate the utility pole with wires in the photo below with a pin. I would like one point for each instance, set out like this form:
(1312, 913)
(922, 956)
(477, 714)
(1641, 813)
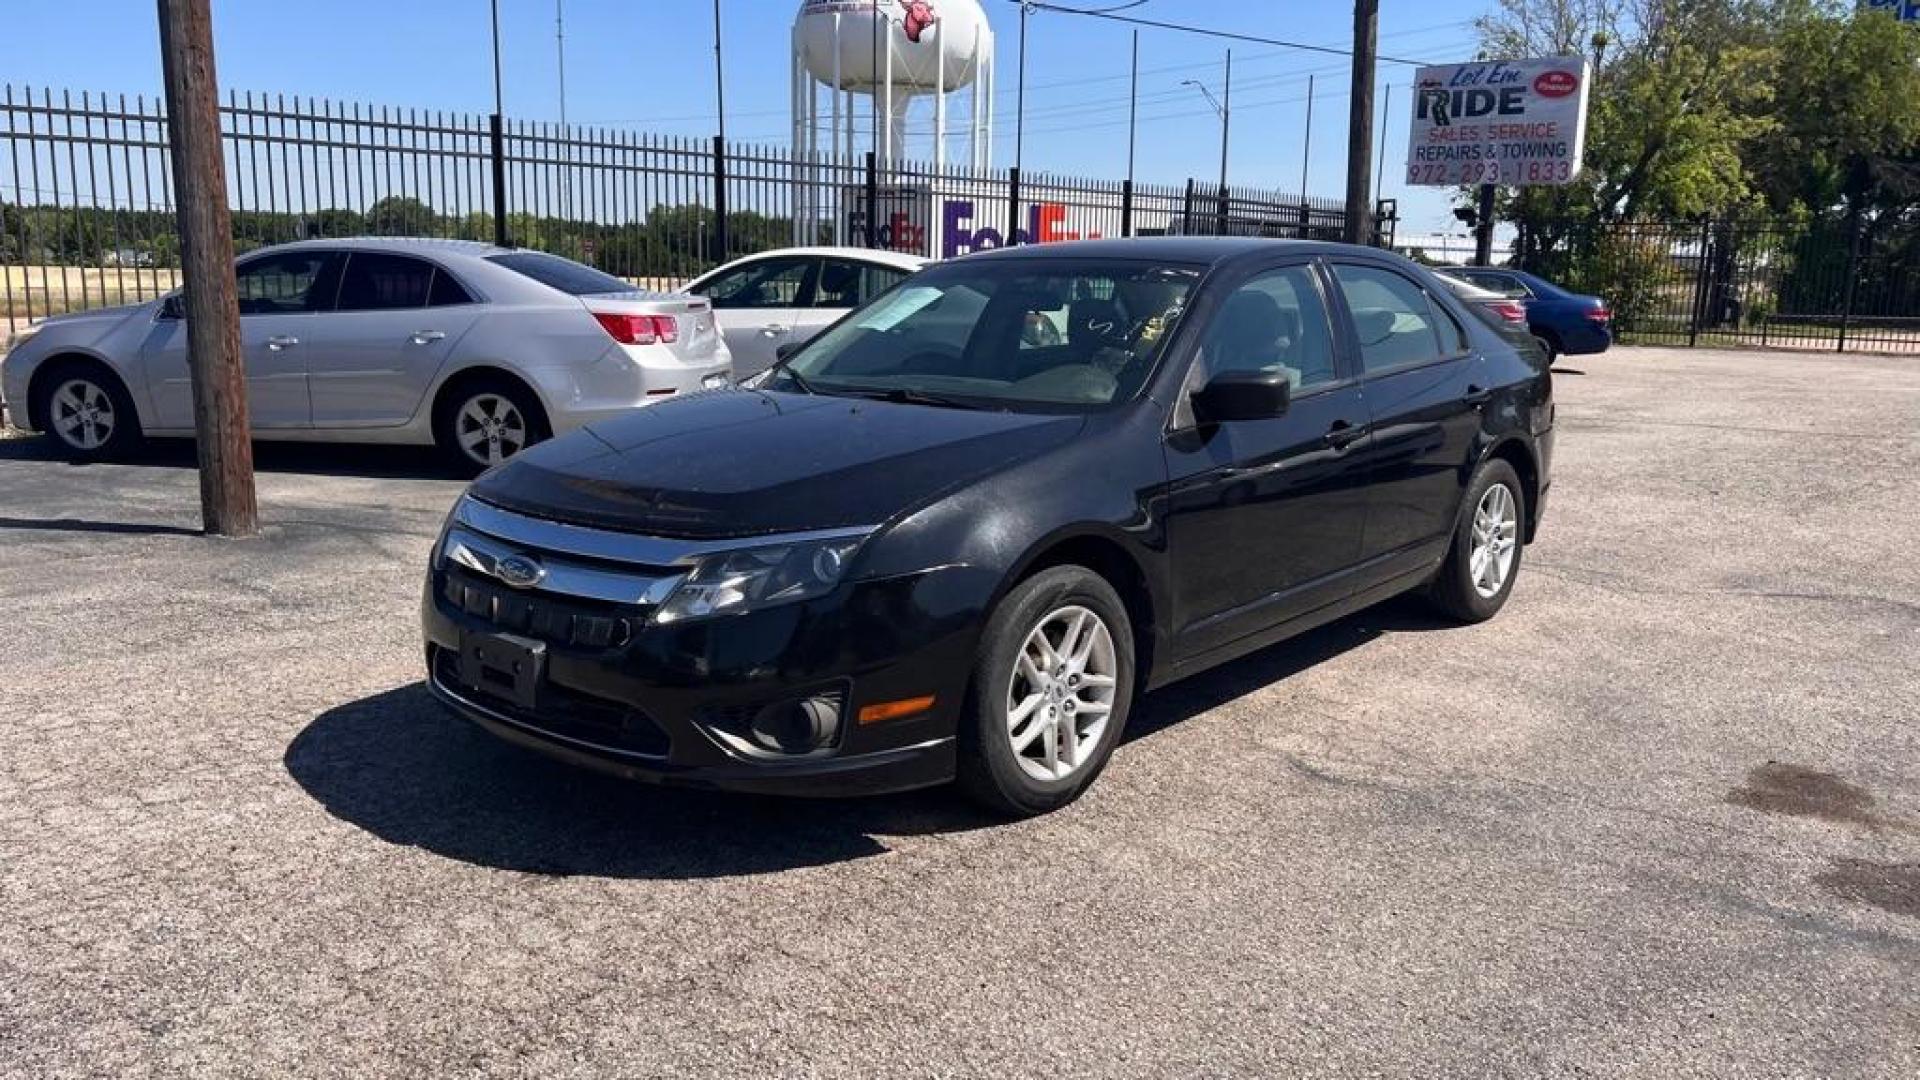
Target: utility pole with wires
(229, 505)
(496, 132)
(1020, 95)
(560, 57)
(1366, 41)
(1306, 140)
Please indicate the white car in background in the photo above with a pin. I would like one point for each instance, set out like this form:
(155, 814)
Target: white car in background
(787, 296)
(481, 349)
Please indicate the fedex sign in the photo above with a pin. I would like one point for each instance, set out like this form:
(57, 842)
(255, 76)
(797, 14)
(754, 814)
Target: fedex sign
(1046, 224)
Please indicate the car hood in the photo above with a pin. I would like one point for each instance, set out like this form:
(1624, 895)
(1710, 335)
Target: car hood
(86, 327)
(735, 463)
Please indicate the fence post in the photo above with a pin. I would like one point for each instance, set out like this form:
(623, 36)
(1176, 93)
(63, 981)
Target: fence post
(1700, 283)
(496, 131)
(1221, 229)
(719, 200)
(1186, 211)
(872, 230)
(1126, 207)
(1013, 204)
(1853, 274)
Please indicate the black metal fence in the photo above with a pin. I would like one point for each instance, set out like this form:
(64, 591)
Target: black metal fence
(86, 194)
(1805, 283)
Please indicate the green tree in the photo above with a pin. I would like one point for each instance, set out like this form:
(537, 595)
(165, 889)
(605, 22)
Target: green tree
(1847, 91)
(401, 215)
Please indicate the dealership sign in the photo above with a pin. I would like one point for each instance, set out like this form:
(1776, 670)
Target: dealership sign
(1510, 122)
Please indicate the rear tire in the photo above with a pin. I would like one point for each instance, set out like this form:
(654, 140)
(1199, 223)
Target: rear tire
(1050, 693)
(485, 420)
(1475, 581)
(86, 410)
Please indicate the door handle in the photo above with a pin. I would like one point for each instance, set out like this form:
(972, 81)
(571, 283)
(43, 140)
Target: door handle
(772, 330)
(1343, 434)
(1476, 394)
(282, 341)
(424, 337)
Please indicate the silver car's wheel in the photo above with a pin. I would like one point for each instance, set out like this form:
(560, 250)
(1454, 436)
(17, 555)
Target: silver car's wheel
(1496, 531)
(1060, 697)
(489, 428)
(82, 414)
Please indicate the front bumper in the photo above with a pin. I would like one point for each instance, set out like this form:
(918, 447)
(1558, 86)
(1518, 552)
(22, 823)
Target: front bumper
(645, 701)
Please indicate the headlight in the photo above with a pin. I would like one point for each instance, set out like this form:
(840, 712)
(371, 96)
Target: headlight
(750, 578)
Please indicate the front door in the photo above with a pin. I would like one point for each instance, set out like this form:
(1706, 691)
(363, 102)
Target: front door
(1264, 517)
(755, 305)
(280, 298)
(370, 361)
(1417, 368)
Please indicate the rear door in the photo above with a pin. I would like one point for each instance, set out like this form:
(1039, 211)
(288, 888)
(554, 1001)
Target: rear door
(843, 285)
(1418, 372)
(281, 297)
(755, 305)
(1264, 517)
(370, 360)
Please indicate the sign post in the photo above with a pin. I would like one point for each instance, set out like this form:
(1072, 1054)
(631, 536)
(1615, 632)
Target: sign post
(1492, 123)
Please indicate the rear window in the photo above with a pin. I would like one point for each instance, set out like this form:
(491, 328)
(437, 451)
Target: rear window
(557, 273)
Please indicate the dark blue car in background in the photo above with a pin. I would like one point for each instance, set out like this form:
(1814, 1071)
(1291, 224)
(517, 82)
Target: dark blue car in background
(1563, 322)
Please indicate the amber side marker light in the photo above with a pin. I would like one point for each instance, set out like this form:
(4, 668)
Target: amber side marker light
(893, 710)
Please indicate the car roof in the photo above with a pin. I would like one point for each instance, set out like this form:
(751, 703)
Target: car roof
(903, 259)
(404, 245)
(1187, 249)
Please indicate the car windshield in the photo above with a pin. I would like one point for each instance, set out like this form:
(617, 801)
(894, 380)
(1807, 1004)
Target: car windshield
(1045, 334)
(555, 272)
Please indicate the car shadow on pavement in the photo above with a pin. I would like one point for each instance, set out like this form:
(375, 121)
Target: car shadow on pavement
(370, 460)
(402, 767)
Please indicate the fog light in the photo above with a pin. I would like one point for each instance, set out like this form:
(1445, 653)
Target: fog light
(797, 727)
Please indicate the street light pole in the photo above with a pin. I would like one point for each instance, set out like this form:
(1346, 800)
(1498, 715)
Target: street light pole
(1226, 122)
(496, 131)
(1020, 101)
(1221, 111)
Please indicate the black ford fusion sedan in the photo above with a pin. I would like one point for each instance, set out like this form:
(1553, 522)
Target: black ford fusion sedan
(956, 535)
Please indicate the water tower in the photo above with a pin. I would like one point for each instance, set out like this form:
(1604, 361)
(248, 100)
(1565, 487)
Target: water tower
(889, 51)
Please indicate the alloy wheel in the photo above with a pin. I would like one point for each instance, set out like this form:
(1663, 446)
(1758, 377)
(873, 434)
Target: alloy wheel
(1496, 531)
(490, 429)
(1060, 697)
(83, 414)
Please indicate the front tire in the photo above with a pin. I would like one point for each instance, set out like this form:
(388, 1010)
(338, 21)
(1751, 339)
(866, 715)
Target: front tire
(1050, 693)
(1475, 581)
(87, 412)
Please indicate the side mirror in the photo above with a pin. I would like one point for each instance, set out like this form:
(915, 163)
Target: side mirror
(786, 349)
(171, 307)
(1242, 395)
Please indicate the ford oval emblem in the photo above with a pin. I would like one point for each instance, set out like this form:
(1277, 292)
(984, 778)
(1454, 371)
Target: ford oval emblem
(520, 571)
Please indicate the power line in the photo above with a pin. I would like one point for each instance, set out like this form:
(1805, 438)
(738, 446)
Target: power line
(1228, 35)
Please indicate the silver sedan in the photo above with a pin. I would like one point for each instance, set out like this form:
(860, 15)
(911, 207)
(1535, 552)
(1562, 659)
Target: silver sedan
(480, 349)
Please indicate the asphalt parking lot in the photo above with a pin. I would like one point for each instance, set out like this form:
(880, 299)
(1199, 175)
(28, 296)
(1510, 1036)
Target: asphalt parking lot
(1660, 818)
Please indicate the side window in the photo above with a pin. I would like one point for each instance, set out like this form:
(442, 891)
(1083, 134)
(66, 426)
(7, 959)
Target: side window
(1392, 319)
(445, 291)
(378, 281)
(1277, 321)
(768, 283)
(1453, 336)
(292, 281)
(1505, 284)
(846, 284)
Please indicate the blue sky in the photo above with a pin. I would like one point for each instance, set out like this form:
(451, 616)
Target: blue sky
(648, 64)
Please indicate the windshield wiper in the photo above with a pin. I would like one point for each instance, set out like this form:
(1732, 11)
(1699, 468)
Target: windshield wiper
(905, 396)
(783, 367)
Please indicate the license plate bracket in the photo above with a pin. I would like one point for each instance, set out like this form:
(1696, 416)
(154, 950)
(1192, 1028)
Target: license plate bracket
(504, 666)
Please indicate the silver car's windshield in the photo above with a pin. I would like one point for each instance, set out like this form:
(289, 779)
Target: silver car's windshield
(1048, 334)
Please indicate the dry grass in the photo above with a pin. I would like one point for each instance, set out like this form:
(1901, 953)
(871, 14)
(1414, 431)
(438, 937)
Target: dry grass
(41, 291)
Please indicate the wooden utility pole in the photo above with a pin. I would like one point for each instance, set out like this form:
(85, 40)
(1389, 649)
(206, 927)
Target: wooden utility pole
(211, 306)
(1366, 38)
